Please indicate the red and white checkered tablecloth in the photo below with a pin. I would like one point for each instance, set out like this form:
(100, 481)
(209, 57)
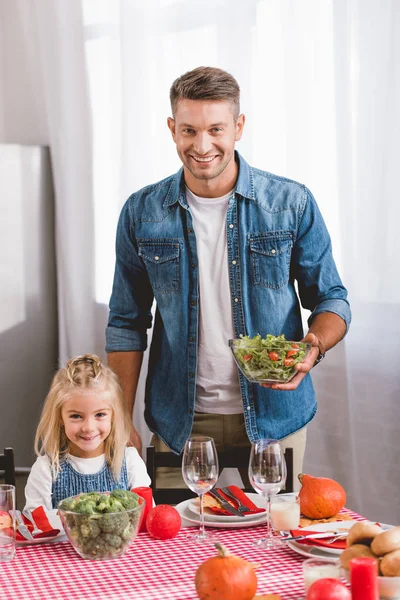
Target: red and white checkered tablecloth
(151, 570)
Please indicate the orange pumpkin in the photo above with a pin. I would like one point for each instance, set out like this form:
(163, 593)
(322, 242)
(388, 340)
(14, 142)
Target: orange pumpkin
(226, 576)
(320, 497)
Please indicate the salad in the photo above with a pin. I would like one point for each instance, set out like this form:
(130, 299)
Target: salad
(269, 359)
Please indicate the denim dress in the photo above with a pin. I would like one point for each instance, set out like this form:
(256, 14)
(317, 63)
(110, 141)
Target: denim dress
(70, 482)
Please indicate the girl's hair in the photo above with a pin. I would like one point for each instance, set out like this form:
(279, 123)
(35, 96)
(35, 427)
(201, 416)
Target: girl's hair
(206, 83)
(82, 374)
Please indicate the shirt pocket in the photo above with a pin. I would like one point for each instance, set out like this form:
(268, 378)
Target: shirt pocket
(161, 258)
(270, 258)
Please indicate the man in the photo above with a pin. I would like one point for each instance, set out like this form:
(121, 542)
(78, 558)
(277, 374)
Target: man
(219, 245)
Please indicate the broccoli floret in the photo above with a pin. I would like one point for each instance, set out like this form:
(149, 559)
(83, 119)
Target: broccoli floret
(67, 503)
(126, 534)
(114, 523)
(90, 528)
(112, 539)
(70, 521)
(98, 547)
(128, 499)
(109, 504)
(85, 507)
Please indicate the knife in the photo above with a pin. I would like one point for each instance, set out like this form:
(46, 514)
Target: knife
(22, 528)
(225, 504)
(311, 536)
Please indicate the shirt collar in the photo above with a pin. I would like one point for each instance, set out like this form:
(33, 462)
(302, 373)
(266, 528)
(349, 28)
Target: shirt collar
(244, 184)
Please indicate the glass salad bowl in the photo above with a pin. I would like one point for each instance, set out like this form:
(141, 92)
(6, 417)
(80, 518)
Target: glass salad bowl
(268, 360)
(102, 525)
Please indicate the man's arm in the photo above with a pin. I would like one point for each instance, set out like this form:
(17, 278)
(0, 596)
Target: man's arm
(320, 289)
(130, 313)
(127, 366)
(326, 330)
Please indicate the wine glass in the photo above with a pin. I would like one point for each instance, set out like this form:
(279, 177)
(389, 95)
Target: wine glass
(267, 474)
(200, 472)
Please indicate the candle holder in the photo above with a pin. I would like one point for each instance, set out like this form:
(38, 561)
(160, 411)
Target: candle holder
(314, 569)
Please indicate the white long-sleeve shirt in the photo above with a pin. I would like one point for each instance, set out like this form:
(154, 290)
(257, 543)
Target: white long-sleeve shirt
(39, 484)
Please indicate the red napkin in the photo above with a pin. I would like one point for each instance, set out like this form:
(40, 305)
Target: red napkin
(338, 545)
(40, 519)
(218, 510)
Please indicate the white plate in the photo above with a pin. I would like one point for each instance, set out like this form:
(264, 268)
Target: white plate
(321, 551)
(336, 526)
(234, 522)
(259, 501)
(312, 551)
(61, 537)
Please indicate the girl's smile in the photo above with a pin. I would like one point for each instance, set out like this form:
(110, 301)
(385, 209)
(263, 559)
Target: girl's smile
(87, 422)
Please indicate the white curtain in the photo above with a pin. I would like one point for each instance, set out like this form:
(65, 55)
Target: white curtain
(320, 87)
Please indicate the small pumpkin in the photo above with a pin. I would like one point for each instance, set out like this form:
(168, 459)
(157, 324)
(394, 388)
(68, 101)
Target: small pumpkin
(320, 497)
(226, 576)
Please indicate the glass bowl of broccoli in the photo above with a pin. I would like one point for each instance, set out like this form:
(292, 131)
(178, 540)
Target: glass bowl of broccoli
(99, 525)
(268, 360)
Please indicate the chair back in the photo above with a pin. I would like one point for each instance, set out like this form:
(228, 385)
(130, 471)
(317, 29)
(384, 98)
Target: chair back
(7, 466)
(235, 457)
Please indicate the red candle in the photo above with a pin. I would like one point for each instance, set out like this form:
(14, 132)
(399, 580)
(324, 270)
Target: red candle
(147, 494)
(364, 578)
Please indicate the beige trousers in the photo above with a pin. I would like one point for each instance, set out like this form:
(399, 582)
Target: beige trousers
(228, 431)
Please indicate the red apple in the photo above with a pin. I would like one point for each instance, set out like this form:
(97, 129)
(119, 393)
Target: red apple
(328, 589)
(163, 522)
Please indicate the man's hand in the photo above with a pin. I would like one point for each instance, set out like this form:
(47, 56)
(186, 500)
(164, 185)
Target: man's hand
(135, 440)
(303, 368)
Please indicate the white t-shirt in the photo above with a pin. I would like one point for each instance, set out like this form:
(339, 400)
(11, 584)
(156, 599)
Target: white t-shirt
(39, 484)
(217, 382)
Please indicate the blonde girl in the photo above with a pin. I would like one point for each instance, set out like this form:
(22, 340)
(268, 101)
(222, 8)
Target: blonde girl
(81, 437)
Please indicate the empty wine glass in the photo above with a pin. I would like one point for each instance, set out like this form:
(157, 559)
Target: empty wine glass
(200, 472)
(267, 474)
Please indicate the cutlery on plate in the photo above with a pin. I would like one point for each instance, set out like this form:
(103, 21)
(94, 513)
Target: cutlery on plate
(240, 506)
(225, 504)
(310, 536)
(36, 530)
(22, 528)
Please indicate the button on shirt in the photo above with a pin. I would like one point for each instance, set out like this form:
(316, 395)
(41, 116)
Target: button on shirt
(217, 382)
(276, 235)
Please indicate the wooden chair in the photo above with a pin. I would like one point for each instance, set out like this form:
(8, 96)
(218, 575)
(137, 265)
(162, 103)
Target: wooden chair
(7, 465)
(230, 458)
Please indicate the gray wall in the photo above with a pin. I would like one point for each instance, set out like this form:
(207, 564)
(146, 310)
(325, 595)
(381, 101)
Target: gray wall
(28, 299)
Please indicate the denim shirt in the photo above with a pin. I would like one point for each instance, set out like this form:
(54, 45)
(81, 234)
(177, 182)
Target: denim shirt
(275, 236)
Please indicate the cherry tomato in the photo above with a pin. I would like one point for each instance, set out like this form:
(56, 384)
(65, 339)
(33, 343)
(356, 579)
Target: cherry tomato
(273, 355)
(288, 362)
(290, 353)
(296, 346)
(247, 357)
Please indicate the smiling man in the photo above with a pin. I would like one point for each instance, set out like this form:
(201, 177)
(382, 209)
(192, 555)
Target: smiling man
(219, 245)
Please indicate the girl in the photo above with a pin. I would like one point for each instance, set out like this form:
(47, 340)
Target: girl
(81, 438)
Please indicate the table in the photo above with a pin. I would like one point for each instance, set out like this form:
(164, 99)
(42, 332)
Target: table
(151, 570)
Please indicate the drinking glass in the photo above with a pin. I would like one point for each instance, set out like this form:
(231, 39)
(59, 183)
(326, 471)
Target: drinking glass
(7, 522)
(314, 569)
(285, 513)
(267, 474)
(200, 473)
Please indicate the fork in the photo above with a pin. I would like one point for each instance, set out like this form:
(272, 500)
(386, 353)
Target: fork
(337, 538)
(240, 507)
